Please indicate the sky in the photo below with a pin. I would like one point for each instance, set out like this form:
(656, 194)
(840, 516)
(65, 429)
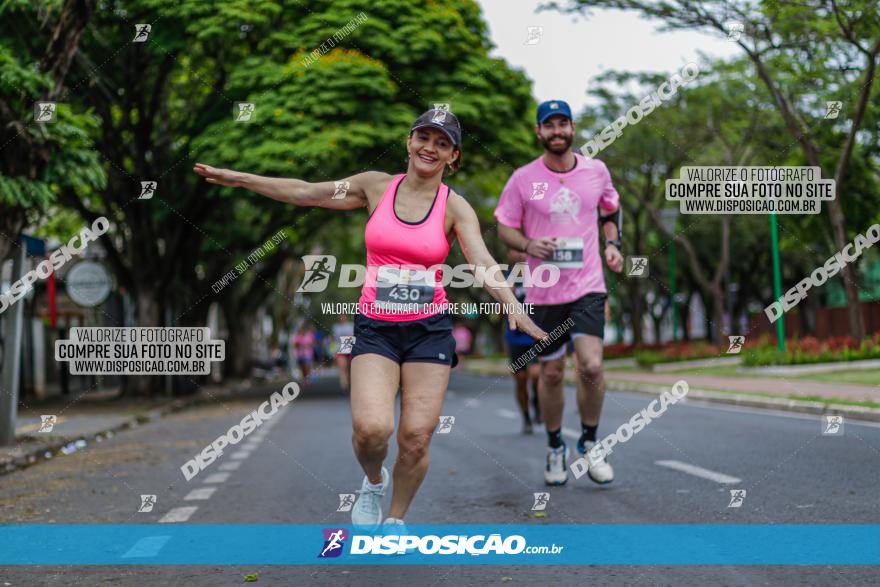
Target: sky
(573, 49)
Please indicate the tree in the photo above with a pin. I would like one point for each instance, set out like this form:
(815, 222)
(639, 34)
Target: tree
(720, 121)
(805, 53)
(327, 105)
(37, 48)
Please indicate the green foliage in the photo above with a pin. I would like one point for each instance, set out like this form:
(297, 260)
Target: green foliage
(39, 156)
(677, 352)
(798, 353)
(328, 105)
(796, 57)
(351, 109)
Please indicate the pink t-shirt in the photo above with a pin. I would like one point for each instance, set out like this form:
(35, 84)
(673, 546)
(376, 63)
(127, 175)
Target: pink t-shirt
(546, 204)
(462, 337)
(303, 342)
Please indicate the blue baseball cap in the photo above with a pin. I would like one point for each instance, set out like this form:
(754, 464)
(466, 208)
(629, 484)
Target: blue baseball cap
(551, 107)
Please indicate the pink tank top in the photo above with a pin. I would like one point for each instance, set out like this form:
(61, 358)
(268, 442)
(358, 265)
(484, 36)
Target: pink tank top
(400, 285)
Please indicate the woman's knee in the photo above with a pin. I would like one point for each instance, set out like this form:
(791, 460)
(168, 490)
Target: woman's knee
(413, 444)
(371, 433)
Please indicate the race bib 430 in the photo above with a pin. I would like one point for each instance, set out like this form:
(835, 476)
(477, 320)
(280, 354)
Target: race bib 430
(399, 289)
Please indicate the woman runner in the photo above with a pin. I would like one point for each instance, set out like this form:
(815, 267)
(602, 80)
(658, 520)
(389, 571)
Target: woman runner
(303, 341)
(414, 219)
(341, 330)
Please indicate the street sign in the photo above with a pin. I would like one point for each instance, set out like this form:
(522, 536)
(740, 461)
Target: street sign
(88, 283)
(35, 247)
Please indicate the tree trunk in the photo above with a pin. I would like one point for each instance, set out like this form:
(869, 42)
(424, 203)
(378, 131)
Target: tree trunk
(849, 272)
(74, 17)
(240, 342)
(148, 314)
(808, 311)
(638, 313)
(11, 224)
(655, 322)
(684, 314)
(717, 332)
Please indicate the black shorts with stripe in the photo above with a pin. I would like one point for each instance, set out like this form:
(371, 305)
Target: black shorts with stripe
(428, 340)
(587, 314)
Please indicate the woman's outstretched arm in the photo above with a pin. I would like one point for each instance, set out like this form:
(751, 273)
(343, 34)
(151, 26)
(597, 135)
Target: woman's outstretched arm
(467, 229)
(345, 194)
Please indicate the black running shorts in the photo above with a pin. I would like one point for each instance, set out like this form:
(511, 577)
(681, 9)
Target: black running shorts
(587, 313)
(517, 351)
(428, 340)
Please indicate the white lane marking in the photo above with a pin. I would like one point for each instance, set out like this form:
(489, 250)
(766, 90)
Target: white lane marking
(473, 403)
(698, 471)
(200, 493)
(217, 478)
(505, 413)
(230, 466)
(147, 546)
(250, 445)
(240, 454)
(180, 514)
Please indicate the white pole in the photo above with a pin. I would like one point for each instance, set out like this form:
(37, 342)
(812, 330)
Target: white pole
(12, 341)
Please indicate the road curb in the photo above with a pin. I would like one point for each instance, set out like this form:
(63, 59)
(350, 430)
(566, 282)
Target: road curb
(44, 451)
(731, 398)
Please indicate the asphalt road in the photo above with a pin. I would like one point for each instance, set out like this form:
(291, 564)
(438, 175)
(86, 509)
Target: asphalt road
(680, 469)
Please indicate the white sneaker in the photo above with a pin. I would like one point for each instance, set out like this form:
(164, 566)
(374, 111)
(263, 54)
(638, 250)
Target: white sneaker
(367, 511)
(556, 471)
(393, 527)
(600, 471)
(396, 527)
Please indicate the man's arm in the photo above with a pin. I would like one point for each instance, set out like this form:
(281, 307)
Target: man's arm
(513, 237)
(517, 240)
(467, 229)
(347, 194)
(610, 222)
(609, 227)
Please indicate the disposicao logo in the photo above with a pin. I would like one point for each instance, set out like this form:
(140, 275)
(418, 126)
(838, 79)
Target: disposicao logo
(334, 541)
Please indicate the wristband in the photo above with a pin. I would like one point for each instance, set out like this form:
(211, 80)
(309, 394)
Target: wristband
(615, 242)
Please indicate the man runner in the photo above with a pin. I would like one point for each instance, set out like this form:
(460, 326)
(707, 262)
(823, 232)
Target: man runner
(525, 375)
(549, 209)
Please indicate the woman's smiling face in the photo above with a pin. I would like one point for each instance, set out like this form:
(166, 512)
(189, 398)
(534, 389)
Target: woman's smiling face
(429, 150)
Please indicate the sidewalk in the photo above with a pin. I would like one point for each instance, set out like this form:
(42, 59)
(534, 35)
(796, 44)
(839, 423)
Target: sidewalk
(763, 385)
(93, 417)
(797, 395)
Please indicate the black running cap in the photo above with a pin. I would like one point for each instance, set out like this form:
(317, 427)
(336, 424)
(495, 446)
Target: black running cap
(442, 119)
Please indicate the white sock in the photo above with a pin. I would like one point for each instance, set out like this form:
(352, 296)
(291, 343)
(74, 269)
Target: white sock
(375, 486)
(393, 521)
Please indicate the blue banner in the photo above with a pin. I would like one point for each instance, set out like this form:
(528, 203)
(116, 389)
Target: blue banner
(486, 544)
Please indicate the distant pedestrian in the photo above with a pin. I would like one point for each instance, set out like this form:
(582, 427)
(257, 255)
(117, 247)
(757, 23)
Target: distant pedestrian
(303, 341)
(463, 339)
